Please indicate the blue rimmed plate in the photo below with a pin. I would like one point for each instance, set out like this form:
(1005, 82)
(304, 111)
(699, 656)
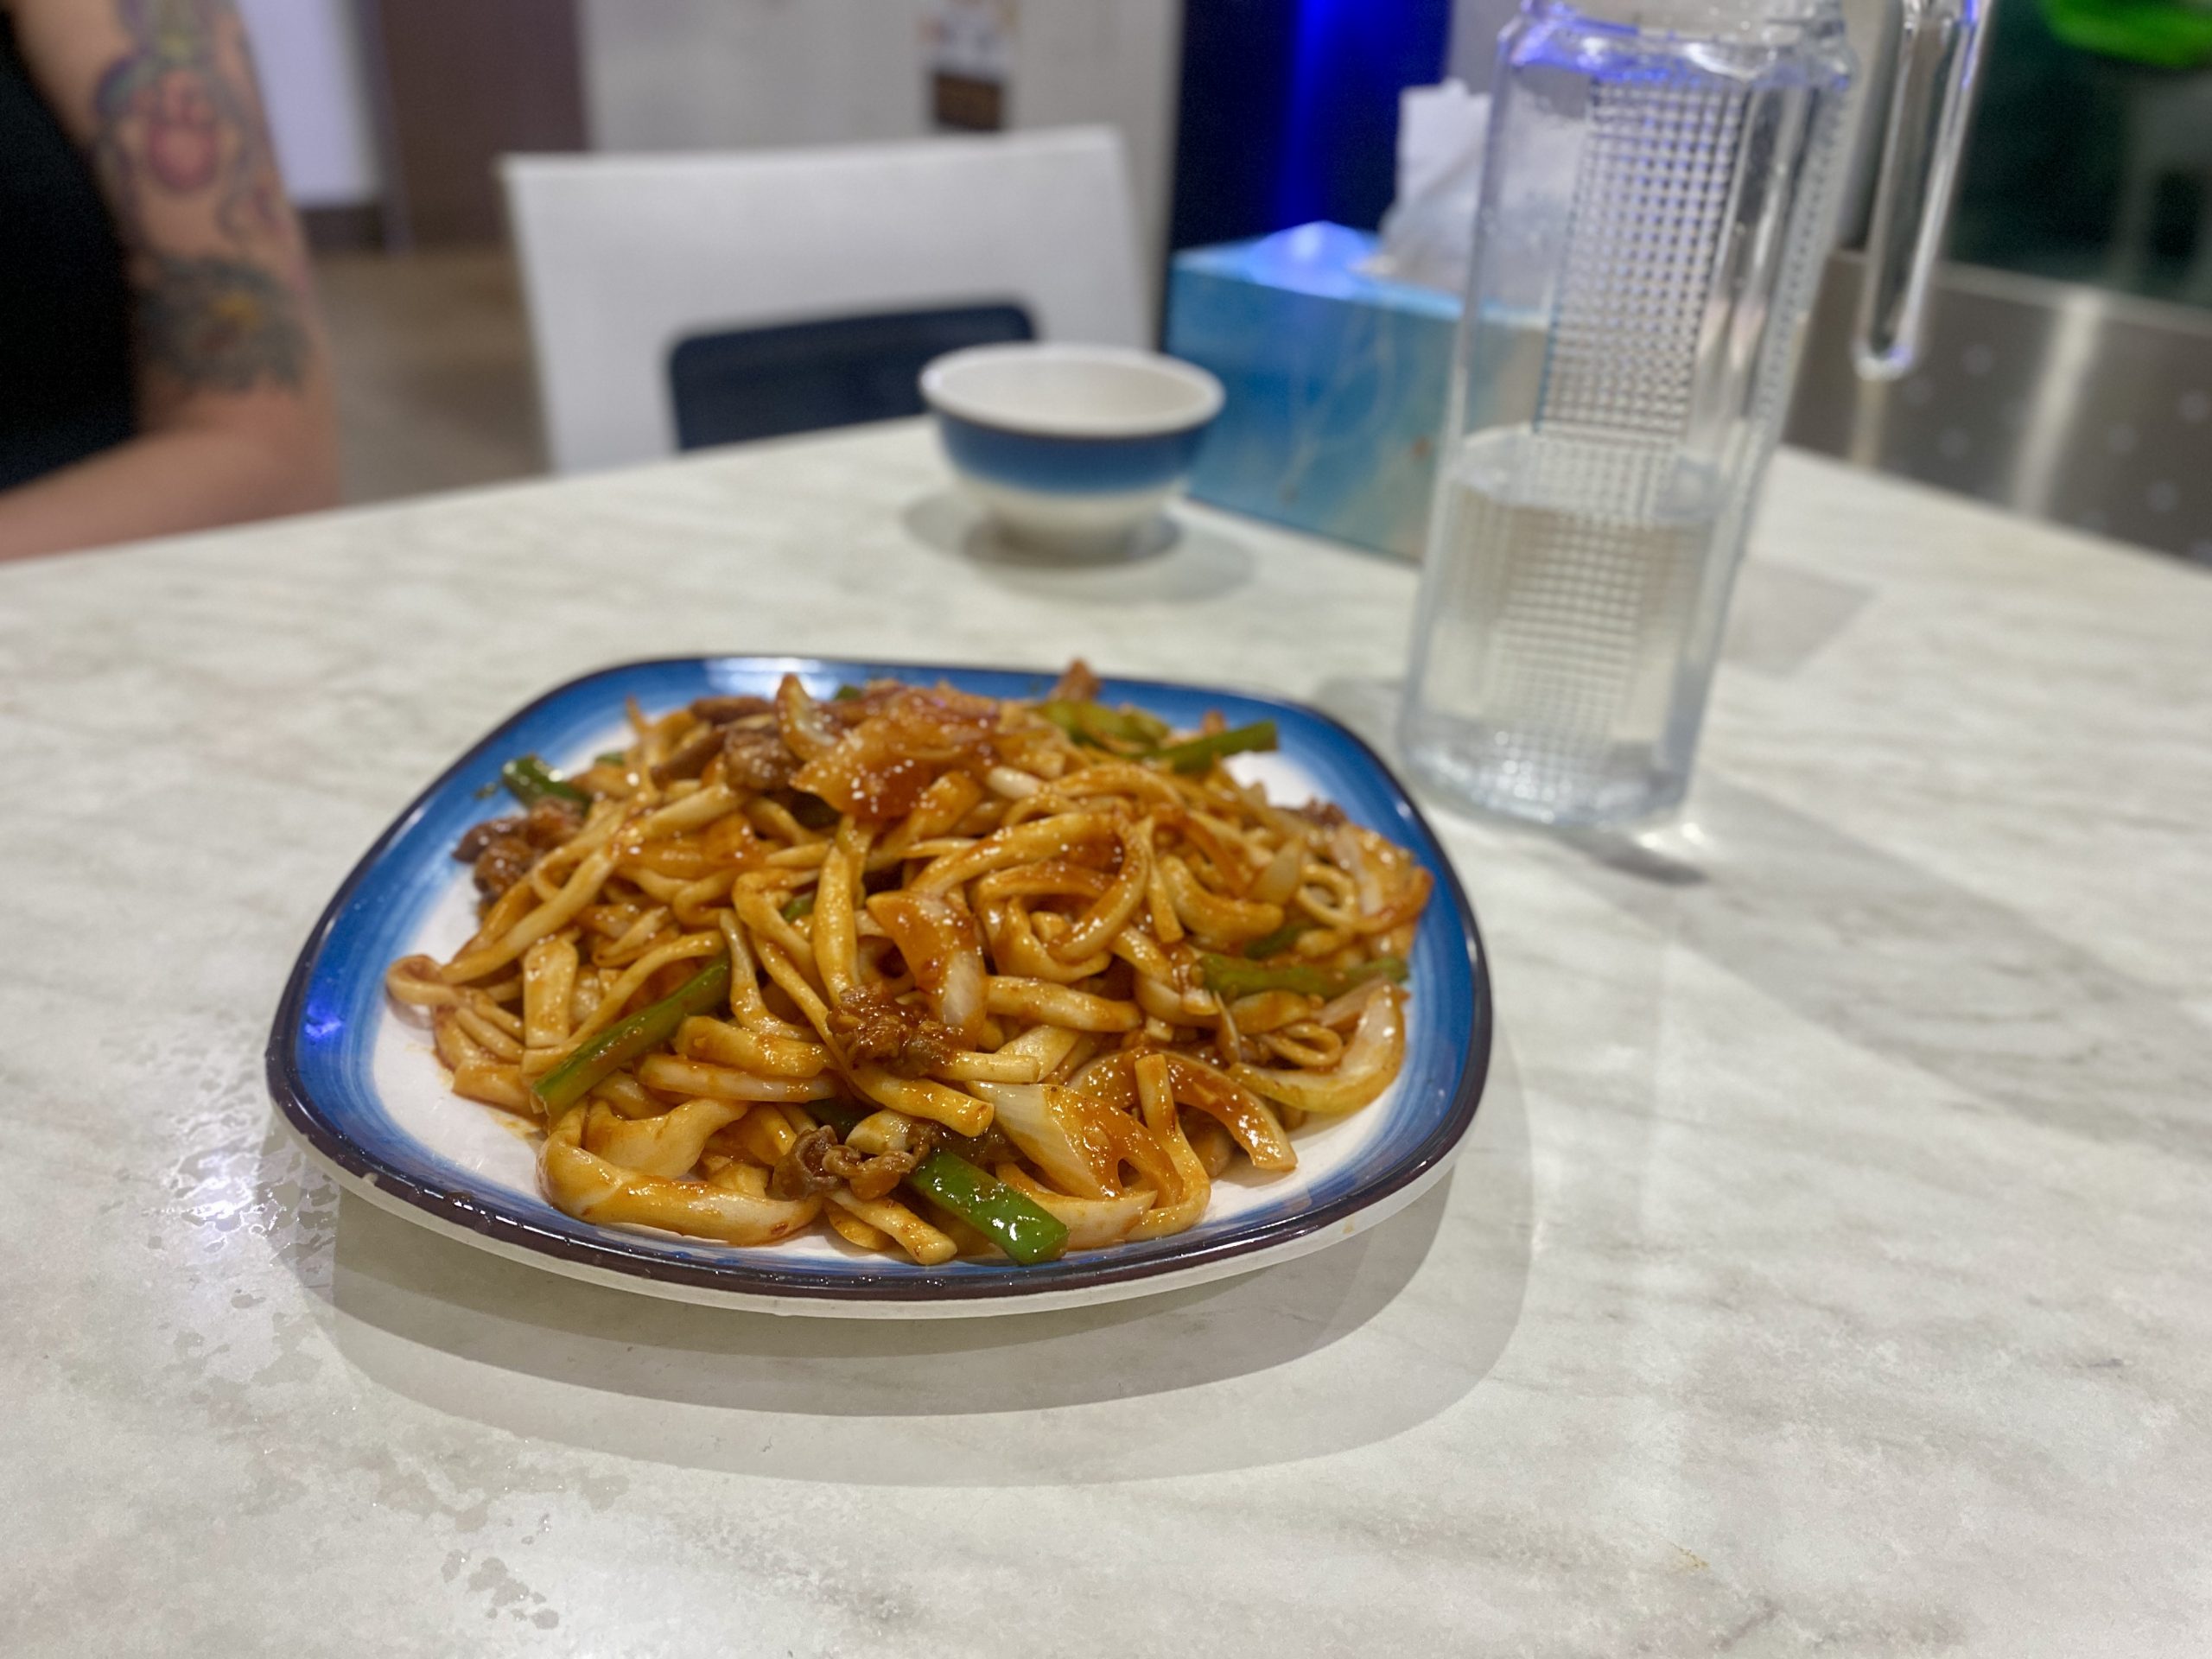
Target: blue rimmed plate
(359, 1081)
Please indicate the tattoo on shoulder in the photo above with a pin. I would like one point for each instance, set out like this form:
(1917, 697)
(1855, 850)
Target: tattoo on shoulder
(171, 116)
(219, 324)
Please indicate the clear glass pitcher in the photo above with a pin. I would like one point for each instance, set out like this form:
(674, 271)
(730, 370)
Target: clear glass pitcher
(1656, 212)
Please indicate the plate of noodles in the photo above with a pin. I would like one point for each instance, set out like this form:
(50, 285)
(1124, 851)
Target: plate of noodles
(884, 990)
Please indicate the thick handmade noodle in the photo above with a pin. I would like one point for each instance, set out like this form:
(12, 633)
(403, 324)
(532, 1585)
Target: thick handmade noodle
(788, 961)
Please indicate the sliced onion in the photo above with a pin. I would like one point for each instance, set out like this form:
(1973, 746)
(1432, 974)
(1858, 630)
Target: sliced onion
(1279, 880)
(807, 730)
(1036, 1117)
(1352, 857)
(1236, 1109)
(1412, 900)
(1370, 1061)
(1111, 1081)
(943, 950)
(1128, 1140)
(1163, 1001)
(1349, 1006)
(1013, 782)
(962, 1001)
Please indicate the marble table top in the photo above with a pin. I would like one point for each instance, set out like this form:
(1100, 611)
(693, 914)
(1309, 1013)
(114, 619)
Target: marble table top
(1829, 1270)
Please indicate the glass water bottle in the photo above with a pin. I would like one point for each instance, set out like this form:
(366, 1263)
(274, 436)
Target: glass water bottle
(1655, 212)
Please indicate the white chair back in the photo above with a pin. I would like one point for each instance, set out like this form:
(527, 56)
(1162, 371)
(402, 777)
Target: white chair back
(624, 256)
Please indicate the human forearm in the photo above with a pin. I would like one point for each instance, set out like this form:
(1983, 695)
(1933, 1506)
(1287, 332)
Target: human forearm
(233, 396)
(181, 479)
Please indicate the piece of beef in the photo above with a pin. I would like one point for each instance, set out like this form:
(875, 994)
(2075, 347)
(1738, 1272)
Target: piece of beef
(720, 711)
(756, 758)
(875, 1026)
(477, 837)
(551, 822)
(1078, 684)
(690, 757)
(805, 1170)
(504, 862)
(818, 1161)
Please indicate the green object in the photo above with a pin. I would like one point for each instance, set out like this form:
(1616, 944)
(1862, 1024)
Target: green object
(1198, 754)
(802, 904)
(529, 781)
(846, 694)
(1102, 728)
(1014, 1221)
(628, 1040)
(1228, 978)
(1270, 944)
(2162, 33)
(612, 758)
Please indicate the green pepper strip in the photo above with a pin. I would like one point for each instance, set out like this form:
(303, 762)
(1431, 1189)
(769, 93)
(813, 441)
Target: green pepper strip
(528, 781)
(1227, 977)
(1270, 944)
(1021, 1226)
(1095, 724)
(628, 1040)
(802, 904)
(1199, 753)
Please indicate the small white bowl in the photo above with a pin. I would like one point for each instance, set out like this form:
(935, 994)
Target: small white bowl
(1071, 449)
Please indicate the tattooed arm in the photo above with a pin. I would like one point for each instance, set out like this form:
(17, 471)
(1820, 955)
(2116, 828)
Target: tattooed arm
(233, 379)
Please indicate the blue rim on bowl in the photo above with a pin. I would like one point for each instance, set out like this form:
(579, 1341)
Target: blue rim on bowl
(1071, 419)
(321, 1045)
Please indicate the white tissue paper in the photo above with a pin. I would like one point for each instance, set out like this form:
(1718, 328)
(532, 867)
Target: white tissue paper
(1430, 229)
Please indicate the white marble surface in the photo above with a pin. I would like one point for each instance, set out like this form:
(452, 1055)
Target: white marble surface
(1830, 1272)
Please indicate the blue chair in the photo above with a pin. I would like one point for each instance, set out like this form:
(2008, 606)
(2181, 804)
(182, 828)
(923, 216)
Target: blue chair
(801, 377)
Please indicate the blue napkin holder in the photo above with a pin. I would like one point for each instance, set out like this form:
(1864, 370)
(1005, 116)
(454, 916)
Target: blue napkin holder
(1336, 381)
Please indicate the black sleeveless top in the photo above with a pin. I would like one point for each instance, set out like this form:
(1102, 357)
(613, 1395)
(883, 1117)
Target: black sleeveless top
(65, 308)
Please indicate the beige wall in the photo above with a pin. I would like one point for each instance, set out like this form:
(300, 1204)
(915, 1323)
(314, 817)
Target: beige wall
(1114, 61)
(715, 75)
(739, 74)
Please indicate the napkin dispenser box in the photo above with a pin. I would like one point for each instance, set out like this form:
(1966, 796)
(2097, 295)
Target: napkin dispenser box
(1336, 384)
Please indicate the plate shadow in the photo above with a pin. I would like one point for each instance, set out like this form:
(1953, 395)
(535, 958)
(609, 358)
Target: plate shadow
(1347, 1346)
